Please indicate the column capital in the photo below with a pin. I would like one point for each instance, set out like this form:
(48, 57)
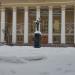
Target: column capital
(26, 8)
(38, 7)
(14, 8)
(74, 8)
(3, 9)
(50, 7)
(63, 7)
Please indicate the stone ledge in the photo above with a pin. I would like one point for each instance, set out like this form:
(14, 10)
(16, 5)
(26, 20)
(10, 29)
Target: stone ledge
(58, 45)
(42, 45)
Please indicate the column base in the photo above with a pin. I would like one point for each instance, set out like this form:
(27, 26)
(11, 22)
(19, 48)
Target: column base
(2, 43)
(26, 44)
(13, 44)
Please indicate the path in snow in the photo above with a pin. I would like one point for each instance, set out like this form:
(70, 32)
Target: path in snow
(21, 60)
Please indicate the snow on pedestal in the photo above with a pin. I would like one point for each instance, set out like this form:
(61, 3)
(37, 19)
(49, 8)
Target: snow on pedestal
(37, 32)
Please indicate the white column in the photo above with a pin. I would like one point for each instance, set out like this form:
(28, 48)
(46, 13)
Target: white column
(63, 25)
(38, 14)
(14, 26)
(2, 24)
(50, 25)
(26, 25)
(74, 25)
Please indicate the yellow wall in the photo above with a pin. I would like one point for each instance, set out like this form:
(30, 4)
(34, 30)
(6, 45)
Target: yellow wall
(17, 1)
(20, 3)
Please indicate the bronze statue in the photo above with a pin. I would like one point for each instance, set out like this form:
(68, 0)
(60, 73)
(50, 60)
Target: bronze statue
(37, 25)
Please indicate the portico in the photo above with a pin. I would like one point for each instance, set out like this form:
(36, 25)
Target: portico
(57, 23)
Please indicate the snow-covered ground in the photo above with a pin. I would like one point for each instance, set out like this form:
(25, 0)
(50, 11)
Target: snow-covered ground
(22, 60)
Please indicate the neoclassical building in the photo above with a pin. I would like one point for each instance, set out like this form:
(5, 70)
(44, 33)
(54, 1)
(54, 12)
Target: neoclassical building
(57, 21)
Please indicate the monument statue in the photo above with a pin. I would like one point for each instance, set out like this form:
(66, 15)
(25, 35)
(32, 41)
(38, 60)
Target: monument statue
(37, 35)
(37, 25)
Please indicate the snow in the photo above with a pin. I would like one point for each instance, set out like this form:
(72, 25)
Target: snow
(25, 60)
(38, 32)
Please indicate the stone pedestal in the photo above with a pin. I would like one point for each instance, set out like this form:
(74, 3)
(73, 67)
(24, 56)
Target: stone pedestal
(37, 40)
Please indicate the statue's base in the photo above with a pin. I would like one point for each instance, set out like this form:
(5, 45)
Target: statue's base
(37, 40)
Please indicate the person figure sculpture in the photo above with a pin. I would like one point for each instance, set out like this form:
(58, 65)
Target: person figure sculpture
(37, 25)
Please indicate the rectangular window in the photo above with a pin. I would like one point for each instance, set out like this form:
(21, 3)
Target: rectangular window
(69, 27)
(56, 25)
(20, 26)
(20, 21)
(31, 23)
(44, 12)
(44, 20)
(32, 19)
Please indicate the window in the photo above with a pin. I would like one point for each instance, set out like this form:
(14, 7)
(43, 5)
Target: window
(56, 25)
(69, 27)
(20, 25)
(32, 18)
(44, 20)
(20, 21)
(44, 24)
(31, 28)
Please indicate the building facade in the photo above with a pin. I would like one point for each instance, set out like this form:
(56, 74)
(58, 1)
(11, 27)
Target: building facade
(57, 21)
